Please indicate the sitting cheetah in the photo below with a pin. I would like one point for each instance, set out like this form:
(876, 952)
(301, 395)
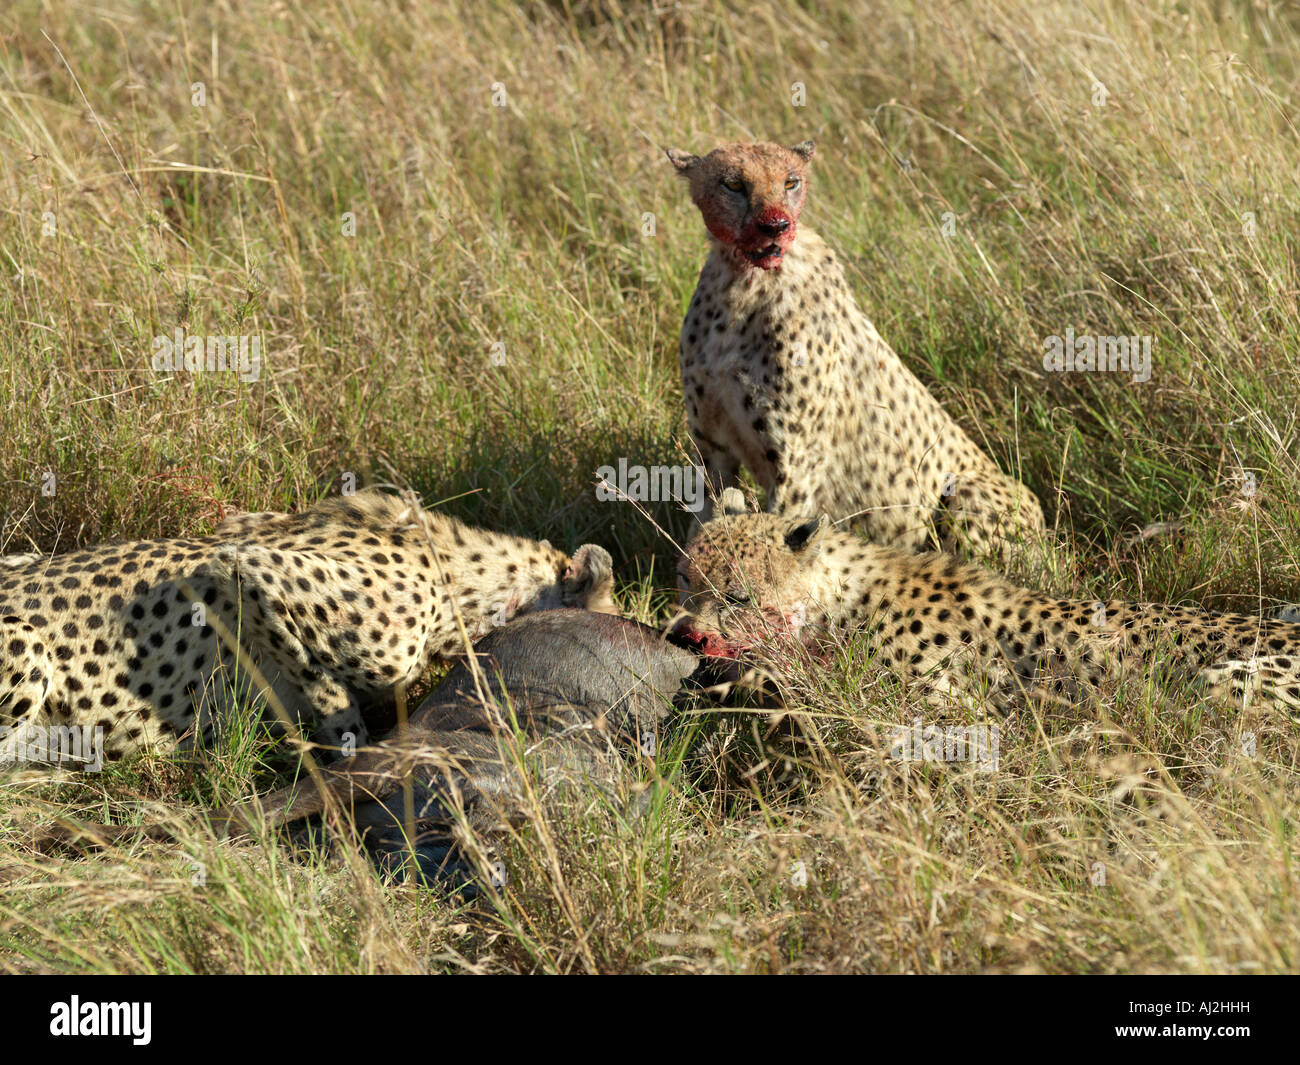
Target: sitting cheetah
(334, 606)
(953, 625)
(786, 376)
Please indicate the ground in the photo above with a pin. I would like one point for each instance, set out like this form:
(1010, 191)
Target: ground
(467, 262)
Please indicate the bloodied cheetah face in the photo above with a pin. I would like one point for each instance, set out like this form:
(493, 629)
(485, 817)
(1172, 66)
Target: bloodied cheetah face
(750, 196)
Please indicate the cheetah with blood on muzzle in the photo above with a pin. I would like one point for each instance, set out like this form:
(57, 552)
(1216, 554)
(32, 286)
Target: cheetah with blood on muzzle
(786, 376)
(955, 627)
(324, 610)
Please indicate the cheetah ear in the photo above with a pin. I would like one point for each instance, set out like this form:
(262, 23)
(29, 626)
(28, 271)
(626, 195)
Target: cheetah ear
(807, 149)
(683, 161)
(589, 580)
(802, 536)
(732, 501)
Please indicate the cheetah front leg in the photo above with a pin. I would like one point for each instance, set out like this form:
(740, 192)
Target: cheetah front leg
(721, 468)
(793, 489)
(304, 686)
(980, 680)
(338, 713)
(988, 517)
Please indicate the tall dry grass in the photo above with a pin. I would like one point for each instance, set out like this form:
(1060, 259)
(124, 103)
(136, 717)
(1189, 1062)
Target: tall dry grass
(993, 173)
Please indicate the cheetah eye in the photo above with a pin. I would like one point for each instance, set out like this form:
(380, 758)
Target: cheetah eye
(734, 184)
(736, 600)
(791, 183)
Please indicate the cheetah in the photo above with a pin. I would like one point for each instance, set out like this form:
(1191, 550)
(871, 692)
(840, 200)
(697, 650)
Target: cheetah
(955, 627)
(327, 610)
(784, 375)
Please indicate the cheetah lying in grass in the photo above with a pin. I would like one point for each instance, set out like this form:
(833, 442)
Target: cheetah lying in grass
(786, 376)
(954, 626)
(333, 607)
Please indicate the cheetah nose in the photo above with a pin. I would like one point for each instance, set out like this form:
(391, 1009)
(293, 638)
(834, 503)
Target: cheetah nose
(682, 633)
(774, 227)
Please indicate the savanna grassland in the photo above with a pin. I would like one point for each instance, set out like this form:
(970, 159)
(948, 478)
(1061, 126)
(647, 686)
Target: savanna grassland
(453, 229)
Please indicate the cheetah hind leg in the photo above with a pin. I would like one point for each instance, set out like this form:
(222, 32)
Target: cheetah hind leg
(240, 524)
(1273, 679)
(25, 676)
(990, 518)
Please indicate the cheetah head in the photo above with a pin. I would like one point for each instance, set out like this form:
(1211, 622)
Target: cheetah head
(750, 196)
(586, 581)
(747, 578)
